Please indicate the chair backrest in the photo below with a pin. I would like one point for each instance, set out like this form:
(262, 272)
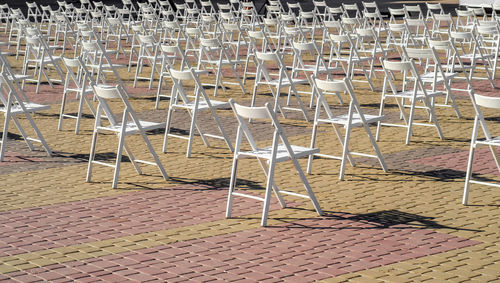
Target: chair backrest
(487, 101)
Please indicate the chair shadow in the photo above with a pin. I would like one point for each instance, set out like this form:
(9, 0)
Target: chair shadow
(383, 219)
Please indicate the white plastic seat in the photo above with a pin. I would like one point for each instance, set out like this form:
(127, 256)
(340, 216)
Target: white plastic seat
(268, 157)
(179, 100)
(481, 101)
(129, 125)
(354, 118)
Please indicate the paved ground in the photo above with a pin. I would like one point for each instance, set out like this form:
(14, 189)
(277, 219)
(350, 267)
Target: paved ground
(404, 225)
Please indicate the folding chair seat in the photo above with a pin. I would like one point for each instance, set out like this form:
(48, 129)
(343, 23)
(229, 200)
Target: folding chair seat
(129, 125)
(79, 81)
(39, 56)
(268, 158)
(476, 55)
(277, 81)
(13, 105)
(349, 59)
(214, 56)
(479, 102)
(397, 88)
(434, 74)
(179, 99)
(354, 118)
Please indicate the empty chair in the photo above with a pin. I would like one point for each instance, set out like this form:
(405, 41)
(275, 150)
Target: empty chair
(434, 75)
(277, 81)
(12, 106)
(149, 51)
(349, 60)
(128, 125)
(400, 89)
(39, 57)
(179, 99)
(481, 101)
(78, 80)
(214, 55)
(354, 118)
(280, 150)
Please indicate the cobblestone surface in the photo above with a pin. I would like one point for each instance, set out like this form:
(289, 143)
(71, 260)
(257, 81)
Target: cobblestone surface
(407, 224)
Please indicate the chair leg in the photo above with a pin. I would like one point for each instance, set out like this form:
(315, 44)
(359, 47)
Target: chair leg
(119, 154)
(470, 162)
(232, 184)
(267, 198)
(92, 155)
(5, 132)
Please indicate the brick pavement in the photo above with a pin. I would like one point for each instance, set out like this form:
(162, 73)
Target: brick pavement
(404, 225)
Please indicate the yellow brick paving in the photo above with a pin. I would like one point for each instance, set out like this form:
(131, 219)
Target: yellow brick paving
(367, 189)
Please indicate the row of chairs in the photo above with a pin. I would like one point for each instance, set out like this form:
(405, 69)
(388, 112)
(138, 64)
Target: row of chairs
(272, 48)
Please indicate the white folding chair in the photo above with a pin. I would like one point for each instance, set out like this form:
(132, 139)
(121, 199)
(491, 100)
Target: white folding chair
(40, 57)
(434, 73)
(13, 105)
(214, 55)
(170, 54)
(268, 158)
(401, 92)
(478, 57)
(275, 82)
(479, 101)
(149, 51)
(315, 64)
(80, 83)
(354, 118)
(129, 125)
(340, 43)
(179, 99)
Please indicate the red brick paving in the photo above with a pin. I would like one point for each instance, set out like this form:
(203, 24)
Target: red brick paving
(12, 158)
(72, 223)
(234, 256)
(483, 161)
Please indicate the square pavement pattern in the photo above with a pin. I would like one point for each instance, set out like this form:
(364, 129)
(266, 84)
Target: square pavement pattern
(404, 225)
